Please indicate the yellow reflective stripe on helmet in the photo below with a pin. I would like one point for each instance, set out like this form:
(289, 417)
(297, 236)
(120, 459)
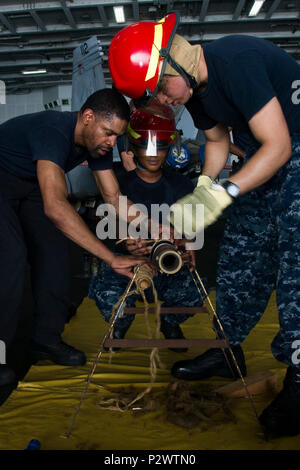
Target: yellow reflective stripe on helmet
(156, 47)
(172, 137)
(134, 134)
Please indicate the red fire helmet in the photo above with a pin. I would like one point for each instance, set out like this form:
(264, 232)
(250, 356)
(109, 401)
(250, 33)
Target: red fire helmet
(137, 55)
(152, 128)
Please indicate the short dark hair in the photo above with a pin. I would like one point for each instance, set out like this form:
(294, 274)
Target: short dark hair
(108, 103)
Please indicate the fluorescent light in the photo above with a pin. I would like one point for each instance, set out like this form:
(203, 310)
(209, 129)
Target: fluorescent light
(119, 14)
(256, 7)
(33, 72)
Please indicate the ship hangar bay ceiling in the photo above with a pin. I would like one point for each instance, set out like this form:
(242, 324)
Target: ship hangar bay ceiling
(37, 34)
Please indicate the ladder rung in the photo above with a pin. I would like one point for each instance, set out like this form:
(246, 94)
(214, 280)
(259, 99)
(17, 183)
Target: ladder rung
(166, 343)
(163, 310)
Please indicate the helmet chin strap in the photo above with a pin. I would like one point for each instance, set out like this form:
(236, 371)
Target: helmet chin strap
(189, 79)
(140, 167)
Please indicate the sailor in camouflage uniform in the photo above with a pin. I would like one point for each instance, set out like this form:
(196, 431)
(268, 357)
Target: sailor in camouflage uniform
(258, 255)
(252, 86)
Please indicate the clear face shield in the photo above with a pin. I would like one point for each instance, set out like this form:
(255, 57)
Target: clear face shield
(152, 129)
(152, 144)
(152, 141)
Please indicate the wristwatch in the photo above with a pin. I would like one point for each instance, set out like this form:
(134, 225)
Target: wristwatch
(232, 189)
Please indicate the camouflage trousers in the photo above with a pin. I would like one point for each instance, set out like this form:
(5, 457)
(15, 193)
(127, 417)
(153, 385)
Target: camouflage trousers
(176, 290)
(260, 253)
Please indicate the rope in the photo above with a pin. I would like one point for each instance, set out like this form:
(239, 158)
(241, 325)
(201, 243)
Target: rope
(203, 298)
(215, 315)
(143, 280)
(98, 356)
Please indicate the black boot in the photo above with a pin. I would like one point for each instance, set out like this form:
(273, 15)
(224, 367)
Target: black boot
(282, 416)
(211, 363)
(58, 352)
(172, 331)
(7, 376)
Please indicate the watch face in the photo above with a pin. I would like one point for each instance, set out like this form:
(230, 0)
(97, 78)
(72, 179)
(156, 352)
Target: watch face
(232, 189)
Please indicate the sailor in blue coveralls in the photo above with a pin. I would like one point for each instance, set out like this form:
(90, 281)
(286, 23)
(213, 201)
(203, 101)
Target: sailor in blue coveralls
(150, 134)
(36, 218)
(252, 86)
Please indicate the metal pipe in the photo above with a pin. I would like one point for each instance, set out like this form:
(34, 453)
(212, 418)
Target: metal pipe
(166, 257)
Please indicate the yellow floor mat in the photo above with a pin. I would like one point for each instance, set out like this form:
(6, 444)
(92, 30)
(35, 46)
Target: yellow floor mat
(44, 403)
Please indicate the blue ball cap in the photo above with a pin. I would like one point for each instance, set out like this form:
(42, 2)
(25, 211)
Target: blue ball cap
(178, 157)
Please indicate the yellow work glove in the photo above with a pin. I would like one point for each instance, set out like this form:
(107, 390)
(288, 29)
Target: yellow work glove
(204, 180)
(185, 215)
